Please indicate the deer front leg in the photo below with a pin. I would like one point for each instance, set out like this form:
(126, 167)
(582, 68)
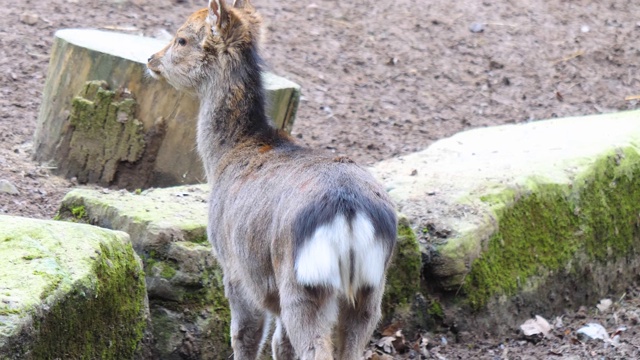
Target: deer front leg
(357, 322)
(248, 325)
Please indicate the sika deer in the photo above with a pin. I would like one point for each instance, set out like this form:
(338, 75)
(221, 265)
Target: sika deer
(300, 234)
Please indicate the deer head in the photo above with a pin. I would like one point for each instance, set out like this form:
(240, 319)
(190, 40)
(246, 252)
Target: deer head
(212, 42)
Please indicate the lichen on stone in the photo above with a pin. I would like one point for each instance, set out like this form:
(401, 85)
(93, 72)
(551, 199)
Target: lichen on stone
(105, 321)
(73, 291)
(543, 228)
(403, 276)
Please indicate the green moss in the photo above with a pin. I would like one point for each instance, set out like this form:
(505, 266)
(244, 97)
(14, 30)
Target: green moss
(545, 229)
(435, 310)
(197, 235)
(79, 212)
(105, 320)
(105, 132)
(211, 296)
(53, 282)
(149, 263)
(220, 305)
(609, 205)
(7, 312)
(168, 271)
(73, 212)
(200, 240)
(403, 276)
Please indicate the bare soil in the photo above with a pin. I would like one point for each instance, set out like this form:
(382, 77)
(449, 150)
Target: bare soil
(380, 78)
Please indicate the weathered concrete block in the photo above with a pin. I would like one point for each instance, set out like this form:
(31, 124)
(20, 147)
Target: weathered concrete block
(102, 120)
(69, 291)
(523, 219)
(190, 314)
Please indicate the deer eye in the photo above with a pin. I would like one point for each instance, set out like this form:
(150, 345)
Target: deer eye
(182, 41)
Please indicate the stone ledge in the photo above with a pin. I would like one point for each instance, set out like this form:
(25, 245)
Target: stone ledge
(523, 219)
(190, 315)
(69, 291)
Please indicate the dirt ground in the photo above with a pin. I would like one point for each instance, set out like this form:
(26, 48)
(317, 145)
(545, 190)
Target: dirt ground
(379, 78)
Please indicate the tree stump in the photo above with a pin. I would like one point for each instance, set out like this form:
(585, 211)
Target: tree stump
(103, 120)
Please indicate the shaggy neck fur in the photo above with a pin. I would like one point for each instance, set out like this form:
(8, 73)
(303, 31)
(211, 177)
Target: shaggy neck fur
(232, 111)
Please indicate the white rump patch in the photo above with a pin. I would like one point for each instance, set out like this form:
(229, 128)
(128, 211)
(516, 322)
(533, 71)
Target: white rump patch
(318, 261)
(325, 258)
(370, 254)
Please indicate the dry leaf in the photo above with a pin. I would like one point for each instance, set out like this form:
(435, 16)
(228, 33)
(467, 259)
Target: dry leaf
(558, 323)
(593, 331)
(399, 344)
(386, 344)
(391, 329)
(604, 305)
(536, 326)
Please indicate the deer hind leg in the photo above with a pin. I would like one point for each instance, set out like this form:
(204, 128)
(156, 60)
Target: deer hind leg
(309, 314)
(281, 347)
(248, 325)
(357, 322)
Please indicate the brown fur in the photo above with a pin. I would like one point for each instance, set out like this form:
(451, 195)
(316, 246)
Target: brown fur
(272, 200)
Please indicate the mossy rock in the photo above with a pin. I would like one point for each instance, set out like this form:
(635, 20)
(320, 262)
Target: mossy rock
(403, 291)
(69, 291)
(524, 219)
(190, 314)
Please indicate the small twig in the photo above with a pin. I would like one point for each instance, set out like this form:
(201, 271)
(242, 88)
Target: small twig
(570, 57)
(625, 294)
(340, 22)
(632, 97)
(571, 87)
(500, 24)
(38, 56)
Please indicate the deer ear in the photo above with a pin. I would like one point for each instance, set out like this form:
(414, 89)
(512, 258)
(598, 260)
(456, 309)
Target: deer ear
(218, 15)
(241, 4)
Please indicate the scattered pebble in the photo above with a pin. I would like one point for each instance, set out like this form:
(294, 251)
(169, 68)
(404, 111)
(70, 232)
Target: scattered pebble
(585, 28)
(7, 187)
(29, 19)
(476, 27)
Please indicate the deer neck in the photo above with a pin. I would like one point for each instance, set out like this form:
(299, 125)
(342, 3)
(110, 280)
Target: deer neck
(232, 114)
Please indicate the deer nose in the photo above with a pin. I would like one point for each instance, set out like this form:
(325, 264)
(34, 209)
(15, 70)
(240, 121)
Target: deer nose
(150, 58)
